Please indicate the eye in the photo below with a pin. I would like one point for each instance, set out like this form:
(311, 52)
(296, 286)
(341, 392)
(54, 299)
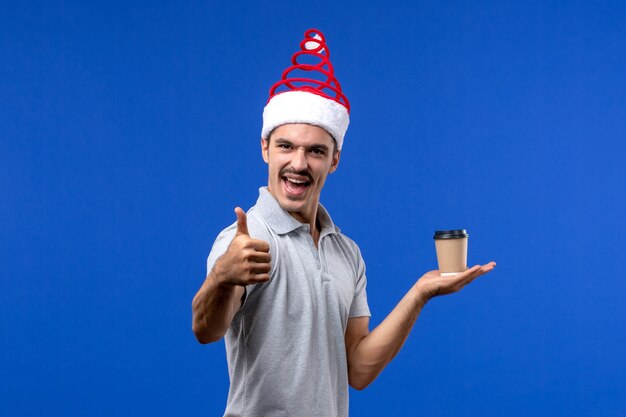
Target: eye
(284, 146)
(318, 151)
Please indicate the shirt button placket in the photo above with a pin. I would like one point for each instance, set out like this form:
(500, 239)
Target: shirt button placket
(314, 251)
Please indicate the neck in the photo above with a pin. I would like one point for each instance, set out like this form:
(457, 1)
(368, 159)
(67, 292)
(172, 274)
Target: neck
(310, 219)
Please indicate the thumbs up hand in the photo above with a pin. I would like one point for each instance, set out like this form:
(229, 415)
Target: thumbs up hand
(242, 222)
(247, 260)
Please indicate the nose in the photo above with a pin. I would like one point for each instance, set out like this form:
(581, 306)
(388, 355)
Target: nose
(298, 161)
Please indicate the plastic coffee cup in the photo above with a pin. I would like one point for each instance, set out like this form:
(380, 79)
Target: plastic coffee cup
(451, 246)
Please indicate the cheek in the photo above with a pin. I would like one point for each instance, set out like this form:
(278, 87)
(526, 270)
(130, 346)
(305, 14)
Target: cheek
(278, 162)
(274, 166)
(321, 175)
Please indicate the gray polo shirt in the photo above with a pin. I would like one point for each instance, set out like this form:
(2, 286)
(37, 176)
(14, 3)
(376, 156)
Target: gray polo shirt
(286, 347)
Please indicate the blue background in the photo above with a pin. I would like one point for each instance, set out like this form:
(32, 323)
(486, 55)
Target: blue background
(130, 130)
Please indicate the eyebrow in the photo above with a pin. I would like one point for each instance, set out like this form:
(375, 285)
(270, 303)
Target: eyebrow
(284, 141)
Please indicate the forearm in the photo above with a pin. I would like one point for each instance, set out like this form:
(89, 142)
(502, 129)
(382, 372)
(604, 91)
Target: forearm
(213, 308)
(379, 347)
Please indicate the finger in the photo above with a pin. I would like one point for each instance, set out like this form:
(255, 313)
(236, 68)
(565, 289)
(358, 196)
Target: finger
(481, 271)
(465, 274)
(260, 267)
(469, 275)
(259, 245)
(260, 278)
(242, 222)
(263, 257)
(486, 268)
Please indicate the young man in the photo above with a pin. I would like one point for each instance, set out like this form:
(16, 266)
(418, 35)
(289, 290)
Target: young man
(285, 287)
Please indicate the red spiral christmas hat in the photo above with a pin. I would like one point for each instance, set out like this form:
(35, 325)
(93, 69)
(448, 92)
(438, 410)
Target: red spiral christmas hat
(308, 92)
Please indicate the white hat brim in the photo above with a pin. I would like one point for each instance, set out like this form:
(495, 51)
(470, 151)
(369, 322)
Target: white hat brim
(305, 107)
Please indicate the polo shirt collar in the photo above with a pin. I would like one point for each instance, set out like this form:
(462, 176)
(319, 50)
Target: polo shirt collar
(282, 222)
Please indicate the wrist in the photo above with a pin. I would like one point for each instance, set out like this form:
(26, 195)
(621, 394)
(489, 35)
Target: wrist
(219, 278)
(419, 294)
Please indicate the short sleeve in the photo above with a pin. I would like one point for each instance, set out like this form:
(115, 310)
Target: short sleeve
(359, 307)
(224, 239)
(220, 246)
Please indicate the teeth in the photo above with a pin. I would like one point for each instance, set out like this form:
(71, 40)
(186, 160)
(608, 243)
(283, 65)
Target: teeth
(295, 181)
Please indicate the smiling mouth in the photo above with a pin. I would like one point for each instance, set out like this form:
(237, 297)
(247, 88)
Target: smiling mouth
(295, 186)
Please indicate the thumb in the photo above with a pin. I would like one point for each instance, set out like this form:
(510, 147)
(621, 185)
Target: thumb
(242, 222)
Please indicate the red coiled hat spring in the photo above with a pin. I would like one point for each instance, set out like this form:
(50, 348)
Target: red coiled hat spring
(309, 92)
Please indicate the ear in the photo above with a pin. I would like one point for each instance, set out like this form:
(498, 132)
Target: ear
(335, 162)
(265, 148)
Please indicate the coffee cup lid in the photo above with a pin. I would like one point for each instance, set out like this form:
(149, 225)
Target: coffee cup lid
(450, 234)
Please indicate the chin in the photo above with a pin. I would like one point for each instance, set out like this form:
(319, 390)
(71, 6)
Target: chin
(290, 205)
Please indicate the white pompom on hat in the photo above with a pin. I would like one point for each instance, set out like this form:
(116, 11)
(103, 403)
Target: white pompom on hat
(304, 99)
